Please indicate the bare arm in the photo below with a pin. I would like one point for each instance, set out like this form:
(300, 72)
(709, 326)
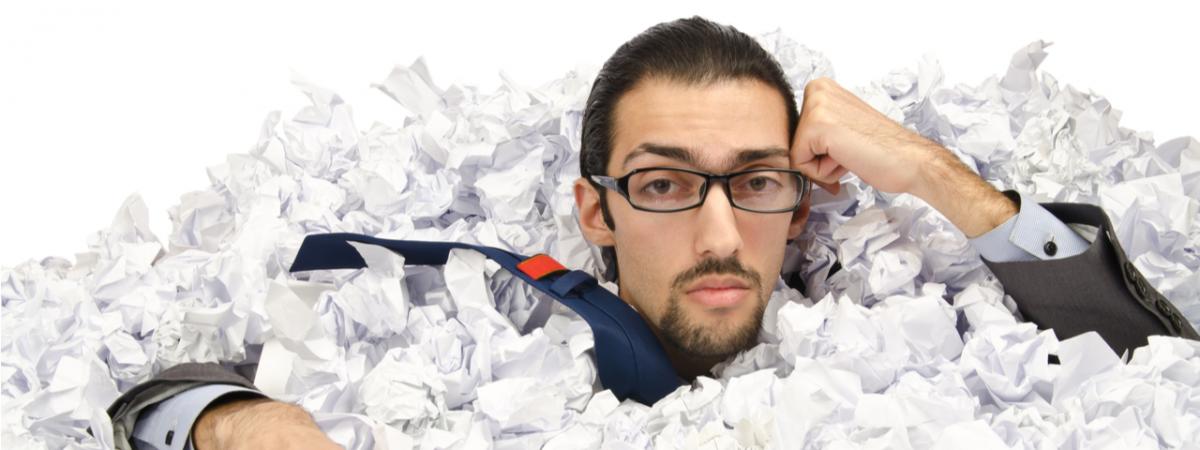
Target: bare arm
(839, 132)
(1097, 290)
(258, 424)
(969, 202)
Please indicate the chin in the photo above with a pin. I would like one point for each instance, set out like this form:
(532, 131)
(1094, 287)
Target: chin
(732, 323)
(722, 320)
(719, 332)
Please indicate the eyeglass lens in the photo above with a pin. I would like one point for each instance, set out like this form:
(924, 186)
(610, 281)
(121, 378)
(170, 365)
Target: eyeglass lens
(673, 189)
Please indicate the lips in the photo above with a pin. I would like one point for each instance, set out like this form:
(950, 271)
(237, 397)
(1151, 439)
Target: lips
(718, 292)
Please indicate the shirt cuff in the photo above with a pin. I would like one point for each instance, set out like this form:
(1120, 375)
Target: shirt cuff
(1033, 234)
(168, 425)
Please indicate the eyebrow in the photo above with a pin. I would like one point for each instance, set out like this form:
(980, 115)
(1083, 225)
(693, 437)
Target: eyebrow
(743, 157)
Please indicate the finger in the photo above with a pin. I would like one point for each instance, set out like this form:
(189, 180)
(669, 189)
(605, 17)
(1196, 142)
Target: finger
(832, 181)
(823, 169)
(810, 168)
(828, 169)
(805, 143)
(802, 155)
(839, 173)
(832, 188)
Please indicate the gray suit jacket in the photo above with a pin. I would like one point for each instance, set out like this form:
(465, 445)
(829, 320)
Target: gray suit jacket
(1099, 290)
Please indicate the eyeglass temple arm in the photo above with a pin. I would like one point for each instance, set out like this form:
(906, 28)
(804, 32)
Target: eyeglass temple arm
(606, 181)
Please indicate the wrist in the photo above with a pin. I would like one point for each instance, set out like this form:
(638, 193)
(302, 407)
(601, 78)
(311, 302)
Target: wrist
(966, 199)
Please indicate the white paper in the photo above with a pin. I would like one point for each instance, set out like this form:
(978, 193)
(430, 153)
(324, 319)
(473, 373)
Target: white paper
(911, 344)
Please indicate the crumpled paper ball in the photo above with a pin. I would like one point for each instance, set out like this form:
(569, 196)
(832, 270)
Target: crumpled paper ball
(911, 344)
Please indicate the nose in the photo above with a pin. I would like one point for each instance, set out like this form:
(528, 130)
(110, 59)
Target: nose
(717, 233)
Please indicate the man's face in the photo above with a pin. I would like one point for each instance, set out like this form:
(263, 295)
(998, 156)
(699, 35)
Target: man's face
(700, 277)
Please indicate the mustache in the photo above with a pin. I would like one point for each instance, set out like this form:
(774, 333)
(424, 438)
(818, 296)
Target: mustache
(717, 266)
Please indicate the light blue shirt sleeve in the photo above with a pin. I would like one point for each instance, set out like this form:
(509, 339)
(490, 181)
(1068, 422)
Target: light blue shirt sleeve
(168, 425)
(1033, 234)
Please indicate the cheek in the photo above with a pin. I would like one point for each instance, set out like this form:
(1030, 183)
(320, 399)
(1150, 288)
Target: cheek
(763, 244)
(651, 252)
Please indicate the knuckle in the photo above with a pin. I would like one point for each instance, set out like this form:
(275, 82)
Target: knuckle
(819, 84)
(816, 113)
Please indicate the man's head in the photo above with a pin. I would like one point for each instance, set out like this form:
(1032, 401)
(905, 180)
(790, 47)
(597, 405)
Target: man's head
(690, 94)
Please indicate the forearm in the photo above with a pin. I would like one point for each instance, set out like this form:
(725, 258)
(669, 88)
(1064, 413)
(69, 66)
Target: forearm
(969, 202)
(255, 424)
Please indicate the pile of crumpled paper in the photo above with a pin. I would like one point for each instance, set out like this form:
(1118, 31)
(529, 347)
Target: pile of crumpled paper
(912, 344)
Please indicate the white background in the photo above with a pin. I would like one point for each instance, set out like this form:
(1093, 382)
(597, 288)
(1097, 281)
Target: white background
(99, 100)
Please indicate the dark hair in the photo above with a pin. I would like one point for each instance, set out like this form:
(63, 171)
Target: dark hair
(694, 51)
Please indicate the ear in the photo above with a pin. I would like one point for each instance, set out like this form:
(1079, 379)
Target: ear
(799, 219)
(591, 219)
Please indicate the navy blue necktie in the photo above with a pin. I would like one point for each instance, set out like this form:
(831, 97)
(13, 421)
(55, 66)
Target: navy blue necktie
(629, 358)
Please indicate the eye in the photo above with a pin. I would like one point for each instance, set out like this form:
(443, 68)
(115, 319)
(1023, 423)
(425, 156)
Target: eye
(661, 186)
(760, 183)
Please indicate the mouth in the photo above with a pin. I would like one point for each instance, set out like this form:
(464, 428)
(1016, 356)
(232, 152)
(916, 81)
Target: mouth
(718, 292)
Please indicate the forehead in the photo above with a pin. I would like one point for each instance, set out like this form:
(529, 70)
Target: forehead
(713, 121)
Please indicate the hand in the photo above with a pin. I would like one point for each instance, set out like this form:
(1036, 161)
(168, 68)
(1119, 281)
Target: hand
(258, 424)
(840, 133)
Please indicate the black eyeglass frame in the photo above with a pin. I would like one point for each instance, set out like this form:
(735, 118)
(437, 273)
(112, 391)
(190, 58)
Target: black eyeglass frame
(621, 185)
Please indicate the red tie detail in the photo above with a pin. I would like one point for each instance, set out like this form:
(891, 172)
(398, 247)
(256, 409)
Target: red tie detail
(540, 265)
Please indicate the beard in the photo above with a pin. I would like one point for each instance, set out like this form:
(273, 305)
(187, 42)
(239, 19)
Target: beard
(684, 332)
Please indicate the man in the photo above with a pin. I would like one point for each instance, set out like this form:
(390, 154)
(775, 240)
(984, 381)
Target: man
(696, 165)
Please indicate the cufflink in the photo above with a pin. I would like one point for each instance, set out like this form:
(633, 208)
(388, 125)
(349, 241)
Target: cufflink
(1050, 247)
(171, 432)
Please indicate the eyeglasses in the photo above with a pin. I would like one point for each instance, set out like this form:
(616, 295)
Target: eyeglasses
(660, 189)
